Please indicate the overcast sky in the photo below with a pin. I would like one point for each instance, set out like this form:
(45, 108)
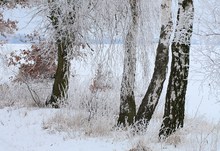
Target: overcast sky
(27, 19)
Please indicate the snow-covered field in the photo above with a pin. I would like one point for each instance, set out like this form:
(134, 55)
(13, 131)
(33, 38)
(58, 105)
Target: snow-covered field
(88, 123)
(28, 129)
(23, 130)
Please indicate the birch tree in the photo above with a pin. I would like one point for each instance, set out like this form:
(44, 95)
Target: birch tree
(174, 112)
(127, 98)
(155, 87)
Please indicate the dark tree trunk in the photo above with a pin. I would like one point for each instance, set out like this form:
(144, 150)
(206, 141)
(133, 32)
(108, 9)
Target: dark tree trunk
(127, 98)
(153, 93)
(63, 44)
(173, 118)
(61, 82)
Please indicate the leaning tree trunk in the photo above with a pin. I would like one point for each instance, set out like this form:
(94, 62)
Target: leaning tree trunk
(173, 118)
(127, 98)
(63, 43)
(153, 93)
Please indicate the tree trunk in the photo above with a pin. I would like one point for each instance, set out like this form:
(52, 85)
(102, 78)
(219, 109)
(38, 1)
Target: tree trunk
(155, 87)
(63, 44)
(127, 98)
(173, 118)
(61, 82)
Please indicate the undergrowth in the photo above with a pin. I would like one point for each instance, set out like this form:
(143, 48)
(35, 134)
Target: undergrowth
(90, 113)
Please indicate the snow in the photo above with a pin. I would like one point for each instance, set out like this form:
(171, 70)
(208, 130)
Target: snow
(8, 72)
(22, 130)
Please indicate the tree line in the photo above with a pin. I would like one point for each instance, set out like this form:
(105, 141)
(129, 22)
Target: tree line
(70, 25)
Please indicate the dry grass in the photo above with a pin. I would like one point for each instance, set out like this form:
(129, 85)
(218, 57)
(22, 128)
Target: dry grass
(140, 145)
(90, 113)
(94, 114)
(17, 94)
(79, 123)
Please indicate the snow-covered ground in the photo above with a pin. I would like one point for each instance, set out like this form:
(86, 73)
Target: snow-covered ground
(88, 124)
(22, 130)
(27, 129)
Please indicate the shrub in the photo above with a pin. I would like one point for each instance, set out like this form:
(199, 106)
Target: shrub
(36, 63)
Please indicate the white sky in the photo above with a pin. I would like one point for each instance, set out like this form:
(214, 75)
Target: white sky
(27, 21)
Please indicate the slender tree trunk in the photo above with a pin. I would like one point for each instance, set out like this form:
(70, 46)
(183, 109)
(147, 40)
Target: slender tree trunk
(127, 98)
(173, 118)
(153, 93)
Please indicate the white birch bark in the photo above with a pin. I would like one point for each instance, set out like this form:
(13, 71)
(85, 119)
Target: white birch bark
(175, 98)
(127, 99)
(155, 87)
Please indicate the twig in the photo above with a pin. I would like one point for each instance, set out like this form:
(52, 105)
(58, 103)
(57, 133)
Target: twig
(32, 92)
(87, 44)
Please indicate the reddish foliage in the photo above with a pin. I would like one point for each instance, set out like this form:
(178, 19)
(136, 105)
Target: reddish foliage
(6, 27)
(34, 64)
